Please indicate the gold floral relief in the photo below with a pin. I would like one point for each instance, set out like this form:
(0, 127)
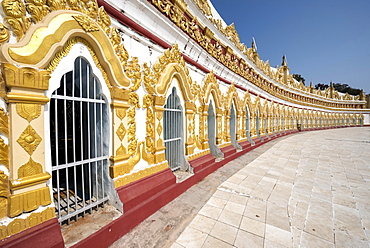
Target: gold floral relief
(4, 126)
(15, 12)
(134, 99)
(104, 20)
(28, 111)
(29, 140)
(118, 47)
(133, 71)
(38, 9)
(149, 79)
(4, 33)
(30, 168)
(86, 23)
(4, 155)
(4, 193)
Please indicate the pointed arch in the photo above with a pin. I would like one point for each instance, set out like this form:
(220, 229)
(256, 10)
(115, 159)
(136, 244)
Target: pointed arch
(210, 86)
(46, 43)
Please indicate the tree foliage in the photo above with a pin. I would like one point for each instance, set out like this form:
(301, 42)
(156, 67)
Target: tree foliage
(343, 88)
(298, 77)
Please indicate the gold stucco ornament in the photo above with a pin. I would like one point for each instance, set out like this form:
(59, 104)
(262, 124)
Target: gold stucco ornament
(31, 168)
(4, 157)
(86, 23)
(28, 111)
(16, 16)
(121, 131)
(38, 9)
(29, 140)
(4, 33)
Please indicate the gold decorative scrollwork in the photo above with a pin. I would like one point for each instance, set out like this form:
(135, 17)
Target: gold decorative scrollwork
(28, 111)
(30, 168)
(4, 193)
(148, 147)
(104, 20)
(204, 6)
(38, 9)
(118, 47)
(132, 70)
(16, 16)
(86, 23)
(131, 122)
(29, 140)
(4, 126)
(4, 33)
(4, 156)
(149, 79)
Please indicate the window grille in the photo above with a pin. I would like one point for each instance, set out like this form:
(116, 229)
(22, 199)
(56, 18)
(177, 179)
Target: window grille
(173, 132)
(232, 124)
(79, 149)
(211, 120)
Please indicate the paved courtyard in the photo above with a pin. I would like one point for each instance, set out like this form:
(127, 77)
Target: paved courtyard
(310, 189)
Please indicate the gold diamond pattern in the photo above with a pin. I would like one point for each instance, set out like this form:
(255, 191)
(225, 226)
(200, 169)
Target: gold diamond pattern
(121, 131)
(159, 129)
(29, 140)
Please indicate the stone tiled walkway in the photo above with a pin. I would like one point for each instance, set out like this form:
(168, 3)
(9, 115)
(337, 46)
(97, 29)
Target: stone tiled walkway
(308, 190)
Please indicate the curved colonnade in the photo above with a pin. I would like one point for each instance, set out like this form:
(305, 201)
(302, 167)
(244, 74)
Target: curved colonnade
(97, 108)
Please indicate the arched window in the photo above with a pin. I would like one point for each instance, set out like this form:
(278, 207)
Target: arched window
(248, 125)
(211, 120)
(173, 125)
(79, 134)
(232, 125)
(258, 123)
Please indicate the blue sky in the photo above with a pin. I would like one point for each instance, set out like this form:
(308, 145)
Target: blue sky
(324, 40)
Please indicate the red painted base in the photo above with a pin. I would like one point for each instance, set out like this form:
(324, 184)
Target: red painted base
(46, 235)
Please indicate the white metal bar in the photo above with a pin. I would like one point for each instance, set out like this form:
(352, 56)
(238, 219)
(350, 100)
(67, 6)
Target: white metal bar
(77, 99)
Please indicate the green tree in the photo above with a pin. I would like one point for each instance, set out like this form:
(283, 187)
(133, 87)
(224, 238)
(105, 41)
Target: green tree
(345, 88)
(299, 78)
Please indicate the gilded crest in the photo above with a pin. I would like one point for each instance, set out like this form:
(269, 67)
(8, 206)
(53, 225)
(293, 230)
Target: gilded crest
(86, 23)
(28, 111)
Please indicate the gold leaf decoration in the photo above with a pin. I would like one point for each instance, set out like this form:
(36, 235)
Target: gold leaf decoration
(133, 72)
(30, 168)
(134, 99)
(121, 113)
(121, 131)
(86, 23)
(118, 47)
(4, 33)
(4, 156)
(104, 20)
(4, 193)
(204, 6)
(16, 16)
(159, 129)
(38, 9)
(28, 111)
(148, 79)
(4, 126)
(121, 150)
(29, 140)
(57, 4)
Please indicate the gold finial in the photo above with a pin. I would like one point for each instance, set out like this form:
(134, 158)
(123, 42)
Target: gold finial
(284, 62)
